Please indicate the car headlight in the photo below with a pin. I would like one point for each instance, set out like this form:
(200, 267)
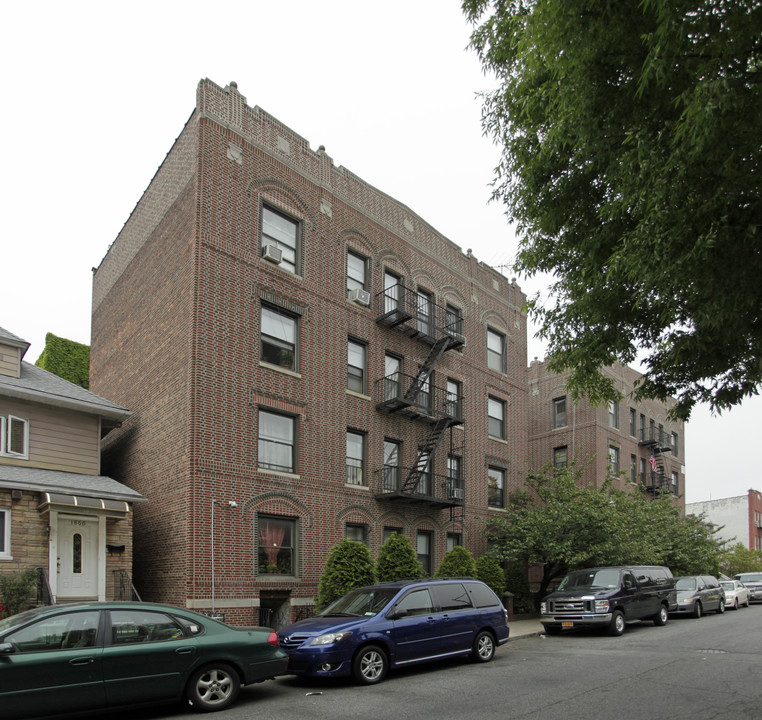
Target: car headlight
(543, 608)
(601, 606)
(330, 638)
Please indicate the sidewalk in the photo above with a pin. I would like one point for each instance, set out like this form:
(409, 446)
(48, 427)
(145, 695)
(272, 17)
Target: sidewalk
(524, 628)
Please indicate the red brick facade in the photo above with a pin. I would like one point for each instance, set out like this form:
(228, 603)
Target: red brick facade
(177, 307)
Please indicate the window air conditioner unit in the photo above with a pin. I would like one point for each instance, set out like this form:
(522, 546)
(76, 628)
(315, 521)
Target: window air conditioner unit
(361, 297)
(457, 493)
(272, 253)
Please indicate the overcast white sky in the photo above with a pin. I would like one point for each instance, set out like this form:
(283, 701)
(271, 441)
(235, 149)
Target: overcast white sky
(388, 87)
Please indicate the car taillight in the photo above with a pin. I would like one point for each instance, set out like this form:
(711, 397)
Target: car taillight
(273, 639)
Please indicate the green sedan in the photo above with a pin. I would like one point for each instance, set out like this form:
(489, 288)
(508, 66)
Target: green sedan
(72, 658)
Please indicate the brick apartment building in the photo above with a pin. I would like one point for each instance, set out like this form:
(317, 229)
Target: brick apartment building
(305, 359)
(636, 439)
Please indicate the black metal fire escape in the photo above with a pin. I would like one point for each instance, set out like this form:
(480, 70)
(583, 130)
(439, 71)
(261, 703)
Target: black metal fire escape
(658, 442)
(418, 398)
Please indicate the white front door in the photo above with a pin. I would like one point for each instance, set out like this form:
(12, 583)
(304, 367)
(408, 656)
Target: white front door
(77, 557)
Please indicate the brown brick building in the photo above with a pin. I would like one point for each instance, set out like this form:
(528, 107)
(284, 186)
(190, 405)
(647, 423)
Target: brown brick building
(305, 359)
(636, 439)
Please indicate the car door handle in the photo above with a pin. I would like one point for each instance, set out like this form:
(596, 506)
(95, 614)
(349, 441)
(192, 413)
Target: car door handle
(184, 651)
(81, 661)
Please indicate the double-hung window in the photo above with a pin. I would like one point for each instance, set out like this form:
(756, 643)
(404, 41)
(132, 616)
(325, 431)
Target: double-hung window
(356, 532)
(357, 271)
(633, 422)
(278, 337)
(495, 487)
(560, 457)
(453, 540)
(393, 292)
(14, 436)
(356, 364)
(423, 550)
(5, 533)
(276, 553)
(425, 308)
(276, 447)
(355, 458)
(392, 377)
(496, 417)
(452, 406)
(391, 465)
(281, 232)
(559, 412)
(496, 351)
(613, 460)
(614, 414)
(453, 320)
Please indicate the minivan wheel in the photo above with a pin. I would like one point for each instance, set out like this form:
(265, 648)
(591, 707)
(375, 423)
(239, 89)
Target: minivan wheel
(369, 665)
(484, 647)
(662, 616)
(617, 624)
(721, 608)
(697, 610)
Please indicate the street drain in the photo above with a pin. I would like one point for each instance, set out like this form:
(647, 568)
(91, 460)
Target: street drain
(713, 652)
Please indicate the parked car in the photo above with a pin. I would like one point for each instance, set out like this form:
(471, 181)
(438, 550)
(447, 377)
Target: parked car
(395, 624)
(697, 594)
(753, 582)
(608, 598)
(736, 594)
(101, 655)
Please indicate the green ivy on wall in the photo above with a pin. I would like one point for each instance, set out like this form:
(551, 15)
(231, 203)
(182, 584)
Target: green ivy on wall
(67, 359)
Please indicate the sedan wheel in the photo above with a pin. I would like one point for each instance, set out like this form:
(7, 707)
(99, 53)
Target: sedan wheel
(213, 688)
(369, 665)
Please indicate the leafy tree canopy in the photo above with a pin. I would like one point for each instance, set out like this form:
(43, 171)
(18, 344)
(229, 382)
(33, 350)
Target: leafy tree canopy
(397, 560)
(349, 566)
(67, 359)
(561, 525)
(632, 163)
(739, 558)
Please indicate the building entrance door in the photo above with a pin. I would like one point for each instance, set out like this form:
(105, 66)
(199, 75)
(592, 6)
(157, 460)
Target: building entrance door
(77, 557)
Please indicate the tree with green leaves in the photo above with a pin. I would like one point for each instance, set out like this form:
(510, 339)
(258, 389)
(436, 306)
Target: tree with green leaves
(457, 562)
(397, 560)
(739, 558)
(67, 359)
(561, 525)
(488, 570)
(349, 566)
(632, 164)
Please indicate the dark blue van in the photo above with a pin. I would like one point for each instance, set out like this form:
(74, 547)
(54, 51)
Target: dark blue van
(393, 624)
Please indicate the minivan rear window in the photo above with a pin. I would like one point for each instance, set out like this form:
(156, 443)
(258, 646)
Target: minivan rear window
(482, 596)
(452, 596)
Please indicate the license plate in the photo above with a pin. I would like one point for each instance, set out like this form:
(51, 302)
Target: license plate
(567, 623)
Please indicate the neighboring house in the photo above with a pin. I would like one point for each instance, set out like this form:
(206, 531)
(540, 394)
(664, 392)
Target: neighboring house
(57, 512)
(626, 441)
(739, 519)
(306, 359)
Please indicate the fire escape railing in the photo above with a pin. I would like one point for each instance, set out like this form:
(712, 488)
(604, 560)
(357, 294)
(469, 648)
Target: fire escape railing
(659, 442)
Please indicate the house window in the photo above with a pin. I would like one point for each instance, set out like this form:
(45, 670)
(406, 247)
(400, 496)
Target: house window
(495, 351)
(495, 487)
(357, 270)
(675, 482)
(276, 449)
(454, 486)
(355, 458)
(424, 309)
(423, 550)
(642, 427)
(277, 545)
(614, 414)
(423, 463)
(424, 392)
(281, 231)
(633, 422)
(390, 530)
(453, 540)
(356, 364)
(356, 532)
(674, 443)
(633, 468)
(391, 466)
(392, 377)
(560, 457)
(643, 471)
(14, 436)
(452, 406)
(613, 460)
(393, 289)
(278, 337)
(559, 412)
(5, 533)
(453, 320)
(496, 414)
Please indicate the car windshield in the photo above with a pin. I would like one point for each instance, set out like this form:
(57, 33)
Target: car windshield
(685, 583)
(591, 580)
(362, 602)
(727, 586)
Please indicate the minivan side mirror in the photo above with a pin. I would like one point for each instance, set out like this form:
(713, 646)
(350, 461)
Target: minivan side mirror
(397, 614)
(6, 648)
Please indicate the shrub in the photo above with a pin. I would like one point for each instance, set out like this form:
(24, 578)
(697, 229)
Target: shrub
(16, 591)
(397, 560)
(489, 571)
(459, 562)
(349, 566)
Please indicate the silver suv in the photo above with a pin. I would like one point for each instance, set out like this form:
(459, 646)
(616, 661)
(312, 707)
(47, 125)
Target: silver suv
(753, 581)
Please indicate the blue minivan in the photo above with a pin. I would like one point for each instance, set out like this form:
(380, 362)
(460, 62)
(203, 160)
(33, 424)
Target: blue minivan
(394, 624)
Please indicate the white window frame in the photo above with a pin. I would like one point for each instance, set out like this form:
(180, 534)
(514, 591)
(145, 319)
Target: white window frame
(492, 354)
(614, 460)
(283, 243)
(6, 426)
(291, 470)
(559, 417)
(5, 548)
(354, 283)
(357, 464)
(497, 402)
(498, 475)
(358, 348)
(283, 341)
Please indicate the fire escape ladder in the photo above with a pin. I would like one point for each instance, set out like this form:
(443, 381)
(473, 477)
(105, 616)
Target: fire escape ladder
(435, 354)
(426, 455)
